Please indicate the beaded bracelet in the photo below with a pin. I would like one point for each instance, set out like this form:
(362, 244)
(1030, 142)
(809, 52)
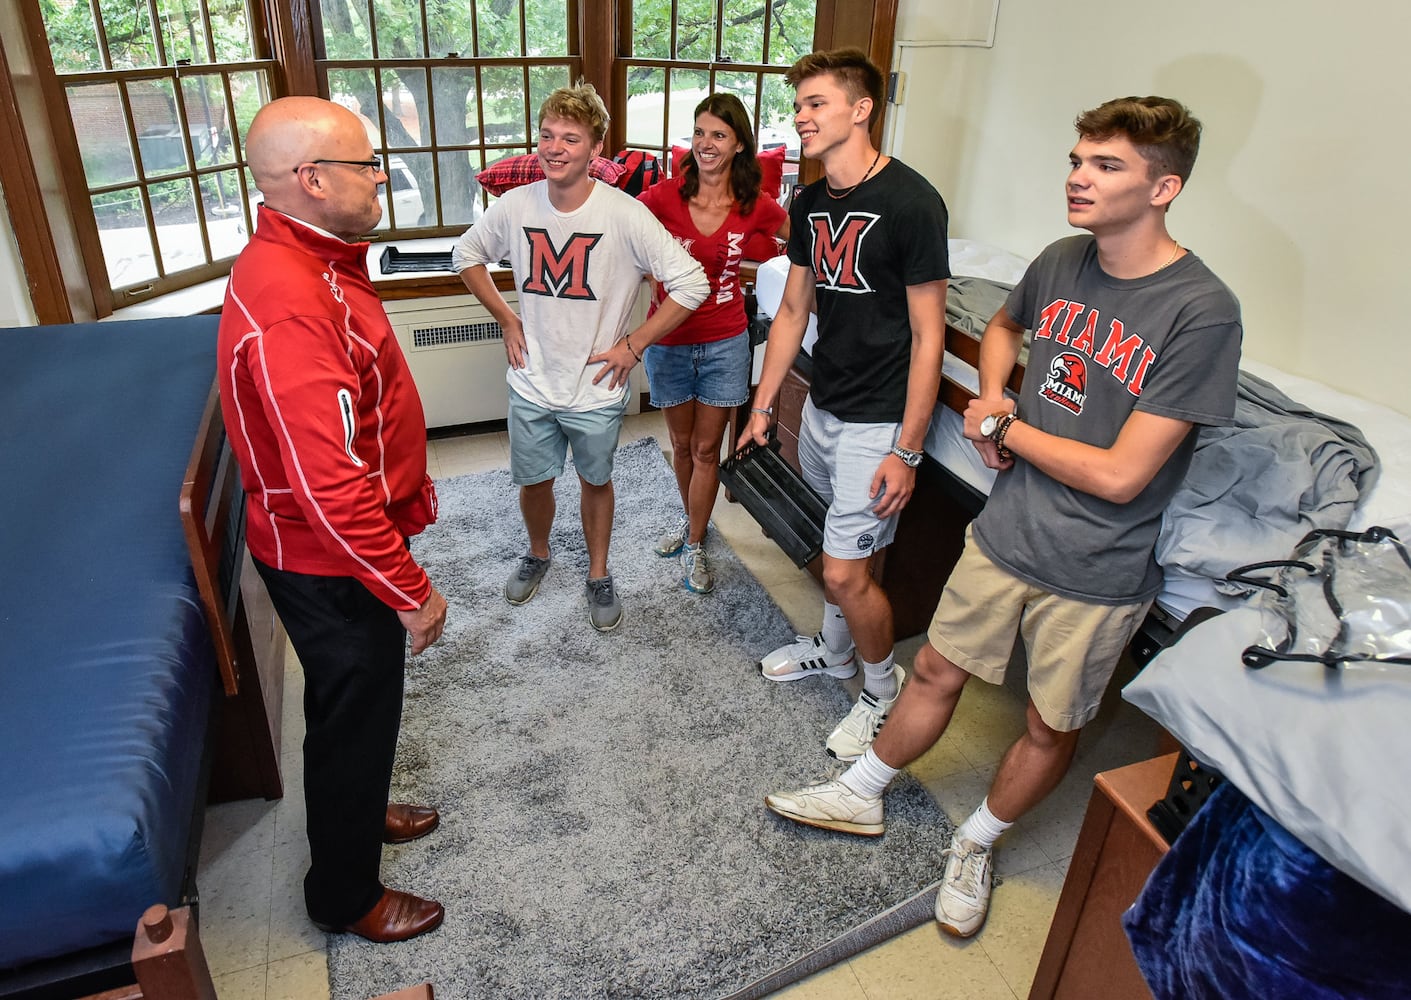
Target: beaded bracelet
(628, 341)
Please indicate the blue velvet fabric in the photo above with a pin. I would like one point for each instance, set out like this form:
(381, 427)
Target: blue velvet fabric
(1239, 908)
(106, 664)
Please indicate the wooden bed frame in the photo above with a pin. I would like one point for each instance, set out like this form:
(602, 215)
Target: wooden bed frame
(249, 640)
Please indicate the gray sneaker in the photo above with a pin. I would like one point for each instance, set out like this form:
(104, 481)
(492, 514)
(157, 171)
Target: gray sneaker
(604, 609)
(524, 582)
(697, 566)
(671, 540)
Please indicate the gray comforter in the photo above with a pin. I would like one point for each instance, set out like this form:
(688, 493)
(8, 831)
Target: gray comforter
(1256, 487)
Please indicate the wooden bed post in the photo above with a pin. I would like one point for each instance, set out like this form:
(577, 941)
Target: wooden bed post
(168, 958)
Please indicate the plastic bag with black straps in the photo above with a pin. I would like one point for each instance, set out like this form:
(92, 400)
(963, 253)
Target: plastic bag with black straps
(1342, 599)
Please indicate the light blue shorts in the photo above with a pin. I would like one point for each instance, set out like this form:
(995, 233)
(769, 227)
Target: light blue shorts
(839, 459)
(540, 439)
(717, 373)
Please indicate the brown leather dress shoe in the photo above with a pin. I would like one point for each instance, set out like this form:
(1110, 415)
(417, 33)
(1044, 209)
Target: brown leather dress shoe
(406, 822)
(396, 917)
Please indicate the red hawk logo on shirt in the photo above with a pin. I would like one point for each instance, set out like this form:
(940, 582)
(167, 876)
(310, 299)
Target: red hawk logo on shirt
(838, 250)
(561, 274)
(1067, 382)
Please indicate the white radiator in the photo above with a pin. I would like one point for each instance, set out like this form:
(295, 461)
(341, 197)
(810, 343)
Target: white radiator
(456, 353)
(457, 357)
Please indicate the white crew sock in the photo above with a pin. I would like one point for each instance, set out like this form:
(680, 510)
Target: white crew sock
(869, 776)
(836, 634)
(982, 828)
(880, 679)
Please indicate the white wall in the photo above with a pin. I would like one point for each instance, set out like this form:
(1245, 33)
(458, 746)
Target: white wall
(15, 306)
(1298, 199)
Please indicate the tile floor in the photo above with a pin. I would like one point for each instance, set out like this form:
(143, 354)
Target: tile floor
(261, 946)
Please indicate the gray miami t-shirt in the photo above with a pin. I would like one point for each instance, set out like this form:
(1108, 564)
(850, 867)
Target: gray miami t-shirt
(1101, 347)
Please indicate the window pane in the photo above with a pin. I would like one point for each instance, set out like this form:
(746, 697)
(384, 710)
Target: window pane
(210, 124)
(178, 235)
(131, 44)
(356, 90)
(453, 102)
(98, 121)
(546, 27)
(502, 89)
(645, 103)
(460, 192)
(695, 30)
(403, 96)
(776, 114)
(744, 31)
(498, 28)
(122, 230)
(408, 175)
(183, 34)
(451, 30)
(398, 25)
(230, 24)
(72, 40)
(742, 85)
(225, 219)
(543, 81)
(688, 88)
(791, 31)
(651, 29)
(160, 142)
(250, 91)
(345, 34)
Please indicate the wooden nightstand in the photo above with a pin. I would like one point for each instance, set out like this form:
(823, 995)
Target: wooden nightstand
(1087, 954)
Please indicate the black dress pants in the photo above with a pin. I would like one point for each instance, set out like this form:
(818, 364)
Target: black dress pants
(353, 651)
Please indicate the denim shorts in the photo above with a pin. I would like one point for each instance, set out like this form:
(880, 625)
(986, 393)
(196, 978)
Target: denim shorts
(716, 373)
(540, 438)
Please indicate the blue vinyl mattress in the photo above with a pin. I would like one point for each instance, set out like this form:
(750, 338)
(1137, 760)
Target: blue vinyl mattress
(106, 665)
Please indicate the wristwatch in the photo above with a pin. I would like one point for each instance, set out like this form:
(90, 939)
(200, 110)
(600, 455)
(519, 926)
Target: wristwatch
(994, 427)
(990, 424)
(911, 458)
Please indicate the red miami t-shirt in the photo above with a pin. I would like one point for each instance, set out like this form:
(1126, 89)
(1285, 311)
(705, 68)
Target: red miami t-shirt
(722, 315)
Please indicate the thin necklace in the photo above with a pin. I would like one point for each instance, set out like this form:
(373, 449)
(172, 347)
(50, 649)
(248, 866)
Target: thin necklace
(1172, 259)
(843, 194)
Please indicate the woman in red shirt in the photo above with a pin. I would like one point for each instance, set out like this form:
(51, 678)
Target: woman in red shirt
(700, 372)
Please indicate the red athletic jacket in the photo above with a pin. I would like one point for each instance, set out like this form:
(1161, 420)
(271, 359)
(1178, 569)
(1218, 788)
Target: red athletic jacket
(323, 414)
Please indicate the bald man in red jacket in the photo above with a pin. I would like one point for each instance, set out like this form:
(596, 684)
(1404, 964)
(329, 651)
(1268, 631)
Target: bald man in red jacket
(327, 425)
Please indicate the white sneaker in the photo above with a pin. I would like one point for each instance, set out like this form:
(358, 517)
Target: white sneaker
(832, 806)
(964, 896)
(673, 538)
(855, 734)
(807, 656)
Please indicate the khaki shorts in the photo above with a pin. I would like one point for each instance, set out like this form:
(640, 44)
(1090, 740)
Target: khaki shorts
(1072, 646)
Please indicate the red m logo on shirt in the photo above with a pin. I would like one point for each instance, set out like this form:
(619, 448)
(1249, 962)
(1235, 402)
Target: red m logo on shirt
(836, 252)
(559, 273)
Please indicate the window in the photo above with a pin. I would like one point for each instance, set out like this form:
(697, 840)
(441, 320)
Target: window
(444, 89)
(159, 95)
(672, 53)
(148, 190)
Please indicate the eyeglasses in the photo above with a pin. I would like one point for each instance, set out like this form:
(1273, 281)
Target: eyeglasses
(374, 164)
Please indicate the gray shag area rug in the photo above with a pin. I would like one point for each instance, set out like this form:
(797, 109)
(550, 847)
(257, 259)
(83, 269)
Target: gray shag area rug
(603, 829)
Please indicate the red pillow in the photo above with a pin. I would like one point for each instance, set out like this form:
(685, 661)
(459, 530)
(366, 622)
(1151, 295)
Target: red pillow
(514, 171)
(771, 167)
